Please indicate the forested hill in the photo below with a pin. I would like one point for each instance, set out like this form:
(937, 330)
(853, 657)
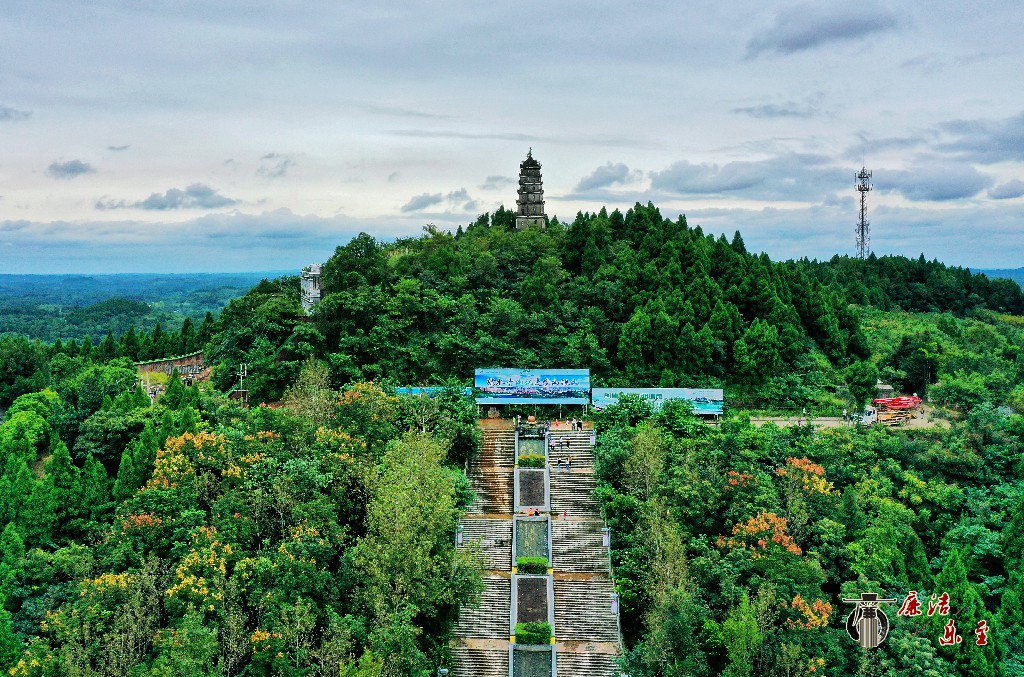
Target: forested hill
(639, 299)
(314, 537)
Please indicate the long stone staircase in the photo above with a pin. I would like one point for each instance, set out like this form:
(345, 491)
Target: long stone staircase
(586, 633)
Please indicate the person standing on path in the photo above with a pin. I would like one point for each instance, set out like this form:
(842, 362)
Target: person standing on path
(568, 463)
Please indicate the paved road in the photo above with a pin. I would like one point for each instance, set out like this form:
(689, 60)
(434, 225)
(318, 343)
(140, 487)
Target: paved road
(925, 420)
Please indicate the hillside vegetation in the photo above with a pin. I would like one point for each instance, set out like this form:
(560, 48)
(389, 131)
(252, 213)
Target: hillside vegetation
(640, 300)
(314, 536)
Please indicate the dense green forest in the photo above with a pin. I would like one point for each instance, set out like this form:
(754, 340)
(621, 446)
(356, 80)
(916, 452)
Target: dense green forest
(193, 537)
(313, 536)
(736, 545)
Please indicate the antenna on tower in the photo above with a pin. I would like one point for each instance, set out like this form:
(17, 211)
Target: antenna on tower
(863, 229)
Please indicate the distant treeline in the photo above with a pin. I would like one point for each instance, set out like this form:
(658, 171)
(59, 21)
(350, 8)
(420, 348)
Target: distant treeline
(52, 307)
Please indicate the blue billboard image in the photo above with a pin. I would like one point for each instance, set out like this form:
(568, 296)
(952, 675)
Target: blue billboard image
(533, 386)
(705, 401)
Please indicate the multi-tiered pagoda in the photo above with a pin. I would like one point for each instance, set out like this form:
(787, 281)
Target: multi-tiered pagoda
(531, 195)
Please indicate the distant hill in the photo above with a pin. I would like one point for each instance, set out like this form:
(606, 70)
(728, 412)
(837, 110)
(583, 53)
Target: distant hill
(1015, 274)
(51, 307)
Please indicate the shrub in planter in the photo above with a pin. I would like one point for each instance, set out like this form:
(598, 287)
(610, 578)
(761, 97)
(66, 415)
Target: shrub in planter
(532, 461)
(533, 633)
(532, 565)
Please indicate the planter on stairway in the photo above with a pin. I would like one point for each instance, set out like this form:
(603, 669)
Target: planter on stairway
(532, 565)
(532, 461)
(533, 633)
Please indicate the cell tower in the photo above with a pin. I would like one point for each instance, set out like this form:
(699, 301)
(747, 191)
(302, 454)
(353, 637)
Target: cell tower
(863, 229)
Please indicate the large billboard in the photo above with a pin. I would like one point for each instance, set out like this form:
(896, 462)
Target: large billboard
(533, 386)
(704, 400)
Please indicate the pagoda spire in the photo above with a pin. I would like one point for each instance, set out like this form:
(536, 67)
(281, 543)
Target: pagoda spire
(530, 203)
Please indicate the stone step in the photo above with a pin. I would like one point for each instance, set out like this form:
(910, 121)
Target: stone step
(587, 664)
(571, 492)
(472, 662)
(493, 492)
(490, 620)
(583, 611)
(577, 546)
(579, 448)
(494, 537)
(497, 450)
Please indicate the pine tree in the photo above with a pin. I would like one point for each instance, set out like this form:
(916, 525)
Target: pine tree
(96, 497)
(130, 344)
(12, 551)
(108, 348)
(206, 330)
(125, 483)
(87, 348)
(187, 337)
(67, 490)
(174, 396)
(15, 486)
(39, 517)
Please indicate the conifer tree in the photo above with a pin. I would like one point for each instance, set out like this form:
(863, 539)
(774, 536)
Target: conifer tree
(15, 486)
(130, 344)
(108, 348)
(187, 337)
(96, 497)
(39, 517)
(125, 482)
(174, 396)
(67, 490)
(12, 551)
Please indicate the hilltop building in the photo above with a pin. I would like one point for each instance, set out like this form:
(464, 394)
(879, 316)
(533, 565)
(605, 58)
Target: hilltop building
(530, 202)
(310, 282)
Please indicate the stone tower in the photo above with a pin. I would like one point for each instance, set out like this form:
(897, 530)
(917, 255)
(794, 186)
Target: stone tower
(309, 280)
(530, 203)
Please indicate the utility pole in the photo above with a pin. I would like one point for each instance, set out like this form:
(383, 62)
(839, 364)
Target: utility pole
(863, 229)
(242, 373)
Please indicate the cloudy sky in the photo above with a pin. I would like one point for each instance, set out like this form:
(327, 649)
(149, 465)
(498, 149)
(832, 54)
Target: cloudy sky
(225, 136)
